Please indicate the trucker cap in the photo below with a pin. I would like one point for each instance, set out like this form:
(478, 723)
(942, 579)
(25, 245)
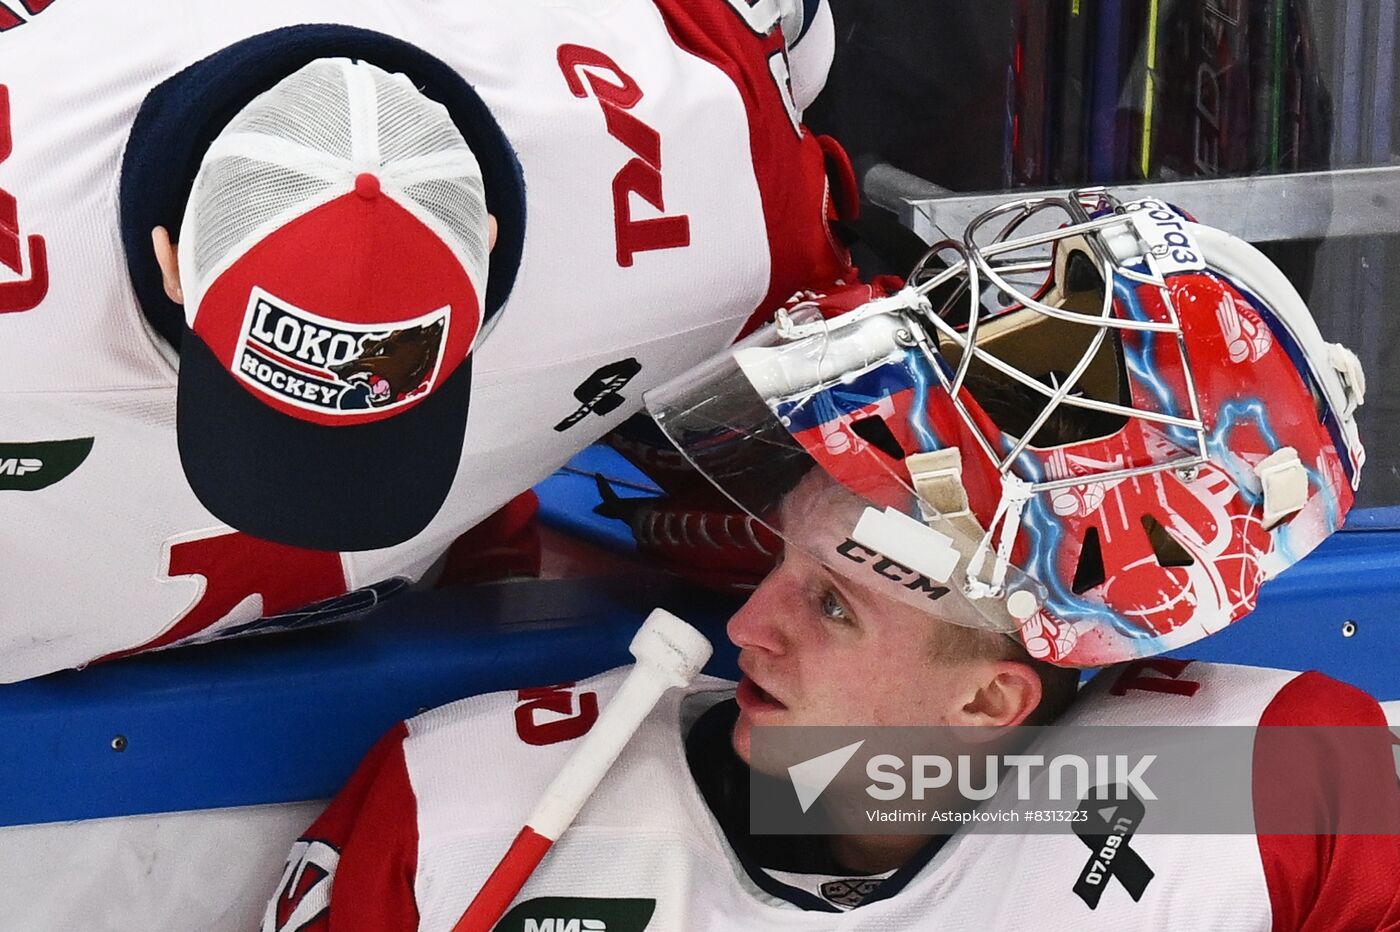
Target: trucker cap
(334, 256)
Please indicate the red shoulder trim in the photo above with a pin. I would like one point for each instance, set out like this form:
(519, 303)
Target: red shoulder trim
(374, 885)
(354, 867)
(1319, 883)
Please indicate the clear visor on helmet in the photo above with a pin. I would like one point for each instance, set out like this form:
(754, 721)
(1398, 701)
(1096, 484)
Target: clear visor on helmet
(820, 430)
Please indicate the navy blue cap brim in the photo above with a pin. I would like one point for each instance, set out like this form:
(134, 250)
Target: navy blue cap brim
(350, 488)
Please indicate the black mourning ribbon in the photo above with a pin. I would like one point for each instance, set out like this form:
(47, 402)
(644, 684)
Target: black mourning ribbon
(1110, 812)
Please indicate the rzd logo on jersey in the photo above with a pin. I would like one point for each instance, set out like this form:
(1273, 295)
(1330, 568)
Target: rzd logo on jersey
(333, 367)
(548, 715)
(12, 12)
(617, 93)
(303, 899)
(24, 261)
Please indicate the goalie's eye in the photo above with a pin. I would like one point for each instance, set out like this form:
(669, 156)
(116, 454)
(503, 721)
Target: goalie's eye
(834, 609)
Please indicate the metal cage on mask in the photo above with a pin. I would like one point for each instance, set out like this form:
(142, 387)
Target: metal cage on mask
(1084, 460)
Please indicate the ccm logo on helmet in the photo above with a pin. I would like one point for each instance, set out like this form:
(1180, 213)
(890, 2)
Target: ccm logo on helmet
(882, 565)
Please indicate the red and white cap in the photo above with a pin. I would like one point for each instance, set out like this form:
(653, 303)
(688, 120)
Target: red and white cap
(334, 257)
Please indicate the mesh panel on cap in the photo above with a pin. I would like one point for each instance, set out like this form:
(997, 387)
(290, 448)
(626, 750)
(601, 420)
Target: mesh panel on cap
(317, 121)
(236, 195)
(311, 108)
(459, 205)
(410, 124)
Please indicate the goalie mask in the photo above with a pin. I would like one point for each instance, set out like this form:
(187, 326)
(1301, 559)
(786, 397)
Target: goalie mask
(1101, 438)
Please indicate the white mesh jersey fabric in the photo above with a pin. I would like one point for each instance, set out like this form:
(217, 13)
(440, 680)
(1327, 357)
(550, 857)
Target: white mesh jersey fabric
(303, 142)
(647, 833)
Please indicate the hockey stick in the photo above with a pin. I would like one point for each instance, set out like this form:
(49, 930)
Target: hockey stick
(669, 653)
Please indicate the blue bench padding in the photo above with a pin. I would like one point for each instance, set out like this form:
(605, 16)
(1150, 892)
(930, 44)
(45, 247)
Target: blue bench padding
(287, 717)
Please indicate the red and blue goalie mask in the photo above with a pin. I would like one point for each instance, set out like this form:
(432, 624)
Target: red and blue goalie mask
(1101, 439)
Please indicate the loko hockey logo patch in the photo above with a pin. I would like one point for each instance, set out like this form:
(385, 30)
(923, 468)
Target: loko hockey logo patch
(330, 367)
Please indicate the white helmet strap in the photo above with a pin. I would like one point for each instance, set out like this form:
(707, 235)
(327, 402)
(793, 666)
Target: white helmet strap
(1284, 481)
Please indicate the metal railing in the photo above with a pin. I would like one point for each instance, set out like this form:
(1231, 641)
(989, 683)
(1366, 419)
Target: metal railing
(1257, 208)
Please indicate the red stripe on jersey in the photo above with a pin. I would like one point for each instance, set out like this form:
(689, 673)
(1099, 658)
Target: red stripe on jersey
(1319, 883)
(235, 566)
(373, 824)
(790, 169)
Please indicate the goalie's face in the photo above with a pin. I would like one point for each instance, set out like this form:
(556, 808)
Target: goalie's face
(817, 649)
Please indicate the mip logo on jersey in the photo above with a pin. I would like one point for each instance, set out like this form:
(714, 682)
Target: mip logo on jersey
(333, 367)
(578, 914)
(29, 467)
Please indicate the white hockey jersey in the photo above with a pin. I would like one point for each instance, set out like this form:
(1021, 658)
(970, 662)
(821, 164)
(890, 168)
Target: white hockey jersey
(411, 839)
(105, 550)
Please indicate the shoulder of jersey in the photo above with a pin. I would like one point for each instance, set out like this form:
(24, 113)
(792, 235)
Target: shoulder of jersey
(504, 705)
(1164, 691)
(481, 764)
